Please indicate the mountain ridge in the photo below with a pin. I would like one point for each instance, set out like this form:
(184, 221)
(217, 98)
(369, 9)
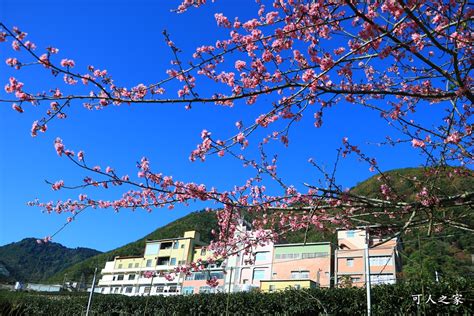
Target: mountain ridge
(27, 260)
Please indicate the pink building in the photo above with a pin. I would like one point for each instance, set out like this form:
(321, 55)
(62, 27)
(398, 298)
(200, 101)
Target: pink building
(310, 261)
(196, 283)
(349, 258)
(253, 268)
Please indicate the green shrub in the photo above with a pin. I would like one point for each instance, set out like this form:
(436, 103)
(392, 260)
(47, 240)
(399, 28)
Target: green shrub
(386, 300)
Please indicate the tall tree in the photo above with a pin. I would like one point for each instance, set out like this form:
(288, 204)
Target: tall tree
(397, 58)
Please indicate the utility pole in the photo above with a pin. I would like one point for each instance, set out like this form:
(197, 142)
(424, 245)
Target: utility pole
(228, 294)
(367, 270)
(230, 279)
(64, 281)
(92, 292)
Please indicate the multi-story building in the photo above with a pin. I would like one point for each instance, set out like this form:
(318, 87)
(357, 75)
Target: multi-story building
(349, 258)
(149, 274)
(267, 267)
(300, 266)
(252, 268)
(197, 281)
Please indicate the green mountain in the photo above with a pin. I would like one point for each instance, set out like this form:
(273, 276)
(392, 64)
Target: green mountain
(447, 251)
(26, 260)
(456, 244)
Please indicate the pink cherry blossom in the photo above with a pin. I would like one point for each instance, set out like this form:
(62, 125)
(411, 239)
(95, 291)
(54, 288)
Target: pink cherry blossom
(16, 45)
(418, 143)
(68, 63)
(17, 108)
(58, 146)
(12, 62)
(453, 138)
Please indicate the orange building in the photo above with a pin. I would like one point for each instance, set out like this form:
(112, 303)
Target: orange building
(349, 258)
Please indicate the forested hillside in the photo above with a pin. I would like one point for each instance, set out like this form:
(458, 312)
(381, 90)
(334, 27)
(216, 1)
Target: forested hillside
(26, 260)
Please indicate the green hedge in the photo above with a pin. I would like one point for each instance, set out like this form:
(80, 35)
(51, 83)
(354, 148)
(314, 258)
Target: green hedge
(386, 300)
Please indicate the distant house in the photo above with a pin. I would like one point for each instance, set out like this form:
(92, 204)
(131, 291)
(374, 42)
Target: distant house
(299, 266)
(349, 258)
(145, 275)
(42, 287)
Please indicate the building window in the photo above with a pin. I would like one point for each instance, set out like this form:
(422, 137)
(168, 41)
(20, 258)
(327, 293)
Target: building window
(204, 289)
(147, 290)
(120, 277)
(173, 261)
(258, 274)
(288, 256)
(120, 266)
(355, 280)
(350, 234)
(310, 255)
(160, 288)
(197, 276)
(182, 246)
(200, 276)
(163, 261)
(217, 275)
(187, 290)
(130, 265)
(128, 289)
(300, 274)
(271, 288)
(152, 249)
(137, 264)
(114, 277)
(166, 245)
(173, 289)
(261, 256)
(382, 279)
(297, 286)
(181, 262)
(131, 276)
(149, 262)
(203, 251)
(350, 262)
(176, 245)
(380, 261)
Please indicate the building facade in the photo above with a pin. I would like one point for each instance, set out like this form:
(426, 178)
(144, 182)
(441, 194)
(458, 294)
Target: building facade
(149, 274)
(267, 267)
(296, 264)
(197, 281)
(349, 258)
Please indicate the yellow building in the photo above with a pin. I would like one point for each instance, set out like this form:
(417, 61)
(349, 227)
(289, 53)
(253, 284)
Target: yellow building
(130, 275)
(281, 285)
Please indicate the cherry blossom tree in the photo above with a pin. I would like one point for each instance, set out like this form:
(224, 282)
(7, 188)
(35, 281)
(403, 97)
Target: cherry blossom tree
(398, 58)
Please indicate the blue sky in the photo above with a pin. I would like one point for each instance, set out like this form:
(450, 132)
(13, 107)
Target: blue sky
(125, 38)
